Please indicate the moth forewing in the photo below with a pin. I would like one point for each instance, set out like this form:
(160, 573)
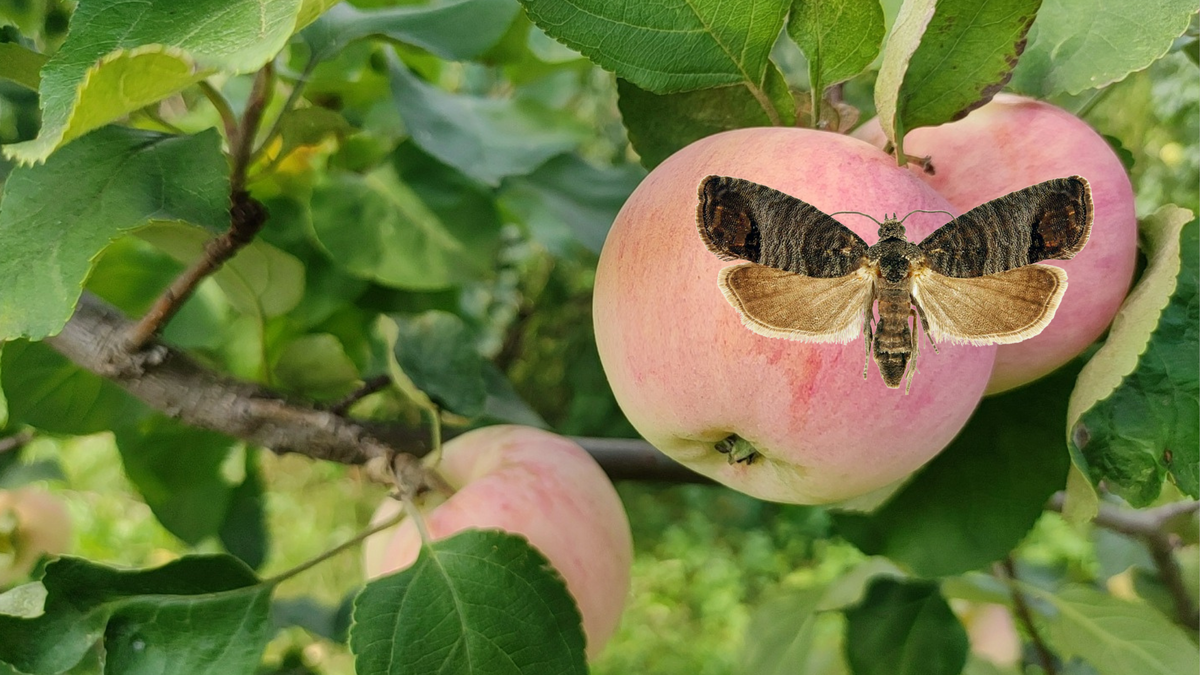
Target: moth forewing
(780, 304)
(1048, 221)
(999, 308)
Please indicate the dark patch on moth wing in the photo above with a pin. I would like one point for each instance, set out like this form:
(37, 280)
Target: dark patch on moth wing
(726, 221)
(1047, 221)
(740, 219)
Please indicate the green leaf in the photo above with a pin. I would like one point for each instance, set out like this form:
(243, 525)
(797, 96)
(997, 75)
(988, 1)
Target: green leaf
(121, 56)
(1077, 45)
(671, 46)
(1114, 636)
(310, 10)
(798, 631)
(309, 126)
(487, 139)
(177, 470)
(377, 227)
(502, 402)
(55, 218)
(977, 499)
(904, 628)
(659, 125)
(455, 31)
(198, 614)
(244, 531)
(21, 65)
(482, 601)
(317, 366)
(941, 63)
(839, 39)
(260, 280)
(781, 634)
(27, 601)
(436, 352)
(568, 202)
(850, 588)
(47, 391)
(466, 209)
(1133, 402)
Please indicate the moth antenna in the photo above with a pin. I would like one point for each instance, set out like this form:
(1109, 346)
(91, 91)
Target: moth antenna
(857, 213)
(924, 211)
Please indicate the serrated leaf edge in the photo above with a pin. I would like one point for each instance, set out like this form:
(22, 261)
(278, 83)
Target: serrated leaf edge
(17, 151)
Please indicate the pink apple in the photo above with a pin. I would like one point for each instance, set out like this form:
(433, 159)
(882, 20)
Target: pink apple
(33, 523)
(539, 485)
(1014, 142)
(688, 374)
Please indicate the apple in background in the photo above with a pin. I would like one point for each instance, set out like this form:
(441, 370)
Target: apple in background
(1014, 142)
(33, 523)
(991, 631)
(541, 486)
(688, 374)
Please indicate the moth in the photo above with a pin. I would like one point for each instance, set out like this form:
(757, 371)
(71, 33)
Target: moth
(973, 281)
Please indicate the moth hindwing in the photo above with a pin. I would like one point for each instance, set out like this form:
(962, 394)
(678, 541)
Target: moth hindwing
(808, 277)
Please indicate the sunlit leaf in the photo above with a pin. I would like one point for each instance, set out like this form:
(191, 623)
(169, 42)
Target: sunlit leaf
(1119, 427)
(121, 56)
(946, 58)
(1077, 45)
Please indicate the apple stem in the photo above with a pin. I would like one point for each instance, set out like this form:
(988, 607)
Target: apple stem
(353, 541)
(435, 434)
(410, 507)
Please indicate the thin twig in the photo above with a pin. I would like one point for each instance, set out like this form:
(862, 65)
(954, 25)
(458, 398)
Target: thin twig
(1008, 569)
(16, 441)
(1150, 526)
(228, 119)
(375, 384)
(1162, 552)
(260, 95)
(1087, 108)
(289, 104)
(246, 215)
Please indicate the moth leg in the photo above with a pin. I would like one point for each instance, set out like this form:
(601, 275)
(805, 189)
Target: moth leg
(925, 327)
(915, 346)
(868, 334)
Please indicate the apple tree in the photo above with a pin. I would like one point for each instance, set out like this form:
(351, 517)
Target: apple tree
(291, 283)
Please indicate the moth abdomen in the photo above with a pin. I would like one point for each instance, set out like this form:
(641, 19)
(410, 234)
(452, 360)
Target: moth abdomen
(892, 345)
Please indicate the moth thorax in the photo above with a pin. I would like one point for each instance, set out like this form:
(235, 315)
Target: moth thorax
(891, 228)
